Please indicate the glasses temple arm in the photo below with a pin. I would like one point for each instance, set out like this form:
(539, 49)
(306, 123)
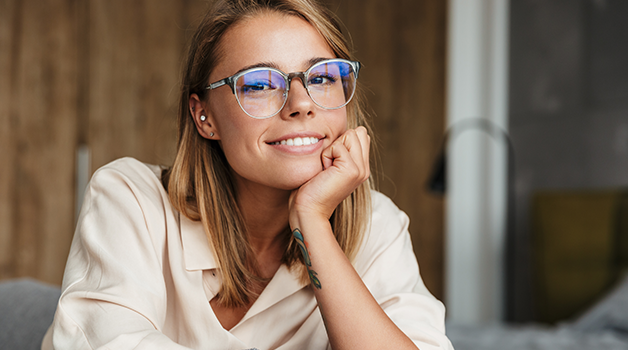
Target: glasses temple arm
(225, 81)
(356, 66)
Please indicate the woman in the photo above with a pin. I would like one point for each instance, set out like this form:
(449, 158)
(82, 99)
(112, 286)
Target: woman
(264, 233)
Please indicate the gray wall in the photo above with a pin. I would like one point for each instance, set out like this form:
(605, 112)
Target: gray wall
(568, 108)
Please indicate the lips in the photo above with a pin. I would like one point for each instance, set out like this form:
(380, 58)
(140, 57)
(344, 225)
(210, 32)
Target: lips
(297, 141)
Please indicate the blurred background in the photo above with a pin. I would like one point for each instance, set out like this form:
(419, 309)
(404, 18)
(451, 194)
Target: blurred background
(533, 96)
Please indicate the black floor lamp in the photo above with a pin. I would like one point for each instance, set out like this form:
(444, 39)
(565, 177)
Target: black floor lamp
(437, 184)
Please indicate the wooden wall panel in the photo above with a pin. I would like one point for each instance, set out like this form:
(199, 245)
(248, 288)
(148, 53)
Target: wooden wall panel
(402, 47)
(99, 73)
(132, 70)
(39, 108)
(7, 34)
(135, 53)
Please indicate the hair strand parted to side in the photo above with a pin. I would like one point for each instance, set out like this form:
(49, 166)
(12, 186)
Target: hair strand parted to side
(200, 182)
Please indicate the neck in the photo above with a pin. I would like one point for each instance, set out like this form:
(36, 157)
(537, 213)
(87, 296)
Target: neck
(265, 212)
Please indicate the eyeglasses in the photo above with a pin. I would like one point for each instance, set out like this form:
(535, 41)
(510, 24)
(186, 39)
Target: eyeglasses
(262, 92)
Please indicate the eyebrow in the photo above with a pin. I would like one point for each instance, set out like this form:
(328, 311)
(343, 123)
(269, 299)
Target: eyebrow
(315, 60)
(311, 62)
(259, 65)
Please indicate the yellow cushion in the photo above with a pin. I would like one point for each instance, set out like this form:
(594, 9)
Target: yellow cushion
(578, 248)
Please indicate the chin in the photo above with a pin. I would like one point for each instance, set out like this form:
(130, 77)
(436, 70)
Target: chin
(297, 179)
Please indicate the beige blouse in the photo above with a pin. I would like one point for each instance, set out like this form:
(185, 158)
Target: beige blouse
(140, 276)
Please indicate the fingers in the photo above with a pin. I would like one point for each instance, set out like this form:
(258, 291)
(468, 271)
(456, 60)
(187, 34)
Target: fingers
(346, 166)
(365, 143)
(350, 150)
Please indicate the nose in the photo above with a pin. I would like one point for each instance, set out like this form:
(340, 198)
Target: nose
(299, 102)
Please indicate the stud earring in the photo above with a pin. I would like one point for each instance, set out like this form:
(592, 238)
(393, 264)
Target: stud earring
(203, 118)
(211, 134)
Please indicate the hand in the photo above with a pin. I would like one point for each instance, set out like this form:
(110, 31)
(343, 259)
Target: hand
(345, 167)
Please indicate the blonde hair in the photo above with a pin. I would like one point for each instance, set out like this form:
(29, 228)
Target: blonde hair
(200, 182)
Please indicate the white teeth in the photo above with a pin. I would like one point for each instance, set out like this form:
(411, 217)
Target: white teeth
(297, 141)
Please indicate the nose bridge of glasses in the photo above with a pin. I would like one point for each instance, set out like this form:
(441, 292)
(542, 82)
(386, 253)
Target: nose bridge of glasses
(300, 75)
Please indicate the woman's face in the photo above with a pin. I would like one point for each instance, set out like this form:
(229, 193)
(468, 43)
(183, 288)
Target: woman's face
(252, 146)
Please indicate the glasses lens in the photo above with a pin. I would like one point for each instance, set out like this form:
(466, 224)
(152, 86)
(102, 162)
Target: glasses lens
(261, 92)
(331, 84)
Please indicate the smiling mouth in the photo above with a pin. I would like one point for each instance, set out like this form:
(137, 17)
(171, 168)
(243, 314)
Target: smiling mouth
(297, 141)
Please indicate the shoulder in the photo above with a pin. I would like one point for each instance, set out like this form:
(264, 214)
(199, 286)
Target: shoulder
(126, 174)
(127, 184)
(387, 220)
(387, 232)
(386, 260)
(129, 168)
(124, 207)
(384, 208)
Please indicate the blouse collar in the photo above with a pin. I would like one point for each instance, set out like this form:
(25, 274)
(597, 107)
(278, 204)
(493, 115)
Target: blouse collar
(198, 255)
(197, 252)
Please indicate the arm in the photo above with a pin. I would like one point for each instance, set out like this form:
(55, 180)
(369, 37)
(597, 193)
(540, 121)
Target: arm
(352, 316)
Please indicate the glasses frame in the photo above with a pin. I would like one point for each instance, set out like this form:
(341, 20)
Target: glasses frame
(231, 81)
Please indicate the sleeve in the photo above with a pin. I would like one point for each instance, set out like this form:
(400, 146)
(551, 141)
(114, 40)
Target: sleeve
(114, 295)
(389, 269)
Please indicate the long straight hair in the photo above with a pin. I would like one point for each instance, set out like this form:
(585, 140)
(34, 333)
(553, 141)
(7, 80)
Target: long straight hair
(200, 182)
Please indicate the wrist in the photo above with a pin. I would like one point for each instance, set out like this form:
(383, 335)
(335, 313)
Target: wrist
(303, 218)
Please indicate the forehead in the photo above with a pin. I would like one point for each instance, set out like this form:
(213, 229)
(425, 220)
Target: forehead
(287, 41)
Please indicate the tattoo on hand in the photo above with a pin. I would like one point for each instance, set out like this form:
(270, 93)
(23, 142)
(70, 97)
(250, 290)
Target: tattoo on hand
(306, 258)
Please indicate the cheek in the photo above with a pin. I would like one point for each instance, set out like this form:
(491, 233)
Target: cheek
(339, 122)
(239, 137)
(230, 121)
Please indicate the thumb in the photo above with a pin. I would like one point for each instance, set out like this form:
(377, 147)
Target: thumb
(328, 157)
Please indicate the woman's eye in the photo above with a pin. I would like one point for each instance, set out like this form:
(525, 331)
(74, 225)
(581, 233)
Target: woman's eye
(256, 87)
(322, 79)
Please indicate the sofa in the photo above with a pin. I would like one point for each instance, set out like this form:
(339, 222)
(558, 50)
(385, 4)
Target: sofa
(27, 308)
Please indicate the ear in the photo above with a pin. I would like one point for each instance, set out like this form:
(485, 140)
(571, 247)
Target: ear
(207, 127)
